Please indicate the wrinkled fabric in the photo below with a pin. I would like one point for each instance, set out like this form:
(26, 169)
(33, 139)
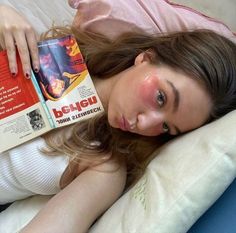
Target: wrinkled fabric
(113, 17)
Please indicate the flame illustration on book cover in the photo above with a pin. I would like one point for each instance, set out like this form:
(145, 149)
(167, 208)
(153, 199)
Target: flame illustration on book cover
(62, 67)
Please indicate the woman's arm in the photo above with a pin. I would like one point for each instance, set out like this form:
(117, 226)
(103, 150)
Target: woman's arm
(76, 207)
(17, 34)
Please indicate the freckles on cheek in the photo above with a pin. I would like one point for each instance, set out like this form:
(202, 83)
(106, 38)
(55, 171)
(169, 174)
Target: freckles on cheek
(147, 91)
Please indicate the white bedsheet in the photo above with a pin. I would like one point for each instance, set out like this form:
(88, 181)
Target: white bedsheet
(43, 13)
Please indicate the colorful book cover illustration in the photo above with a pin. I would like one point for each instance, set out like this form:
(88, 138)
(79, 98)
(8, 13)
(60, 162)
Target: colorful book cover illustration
(61, 93)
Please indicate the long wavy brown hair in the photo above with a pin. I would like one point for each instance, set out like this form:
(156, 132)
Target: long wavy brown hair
(206, 56)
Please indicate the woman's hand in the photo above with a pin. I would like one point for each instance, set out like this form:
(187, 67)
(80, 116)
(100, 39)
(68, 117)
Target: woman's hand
(17, 34)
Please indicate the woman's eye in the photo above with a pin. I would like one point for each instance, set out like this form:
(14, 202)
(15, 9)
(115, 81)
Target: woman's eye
(161, 98)
(165, 127)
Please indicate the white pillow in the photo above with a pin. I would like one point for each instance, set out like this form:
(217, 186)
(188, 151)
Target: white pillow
(179, 185)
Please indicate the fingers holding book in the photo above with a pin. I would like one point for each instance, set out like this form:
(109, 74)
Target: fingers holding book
(18, 36)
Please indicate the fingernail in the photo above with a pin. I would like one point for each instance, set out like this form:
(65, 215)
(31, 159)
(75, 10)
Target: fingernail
(36, 69)
(13, 71)
(27, 75)
(13, 74)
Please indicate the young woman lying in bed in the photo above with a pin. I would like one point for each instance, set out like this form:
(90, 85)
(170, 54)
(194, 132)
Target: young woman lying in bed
(149, 85)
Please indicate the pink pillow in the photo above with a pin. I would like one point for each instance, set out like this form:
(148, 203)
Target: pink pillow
(112, 17)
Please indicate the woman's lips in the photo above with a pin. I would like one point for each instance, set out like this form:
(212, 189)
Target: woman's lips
(124, 124)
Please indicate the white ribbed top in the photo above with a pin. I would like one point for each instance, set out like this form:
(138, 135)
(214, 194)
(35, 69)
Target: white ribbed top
(25, 171)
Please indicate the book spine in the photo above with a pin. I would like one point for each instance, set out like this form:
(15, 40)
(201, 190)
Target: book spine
(42, 100)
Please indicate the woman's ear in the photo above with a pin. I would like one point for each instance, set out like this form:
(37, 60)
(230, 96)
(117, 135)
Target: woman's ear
(146, 56)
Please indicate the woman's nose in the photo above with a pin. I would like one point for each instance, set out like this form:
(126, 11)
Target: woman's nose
(150, 120)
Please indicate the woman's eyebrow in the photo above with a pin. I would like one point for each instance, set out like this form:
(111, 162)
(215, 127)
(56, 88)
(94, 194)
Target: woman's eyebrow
(176, 96)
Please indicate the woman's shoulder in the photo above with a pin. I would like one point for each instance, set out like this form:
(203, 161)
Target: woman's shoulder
(112, 174)
(110, 166)
(115, 166)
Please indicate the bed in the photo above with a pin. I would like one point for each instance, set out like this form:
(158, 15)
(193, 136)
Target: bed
(175, 191)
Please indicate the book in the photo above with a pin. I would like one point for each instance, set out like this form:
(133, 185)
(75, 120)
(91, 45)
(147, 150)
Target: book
(61, 93)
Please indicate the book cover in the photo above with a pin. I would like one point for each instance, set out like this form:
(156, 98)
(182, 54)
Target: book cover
(21, 113)
(61, 93)
(68, 93)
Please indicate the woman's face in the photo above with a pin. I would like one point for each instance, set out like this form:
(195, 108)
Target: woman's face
(150, 100)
